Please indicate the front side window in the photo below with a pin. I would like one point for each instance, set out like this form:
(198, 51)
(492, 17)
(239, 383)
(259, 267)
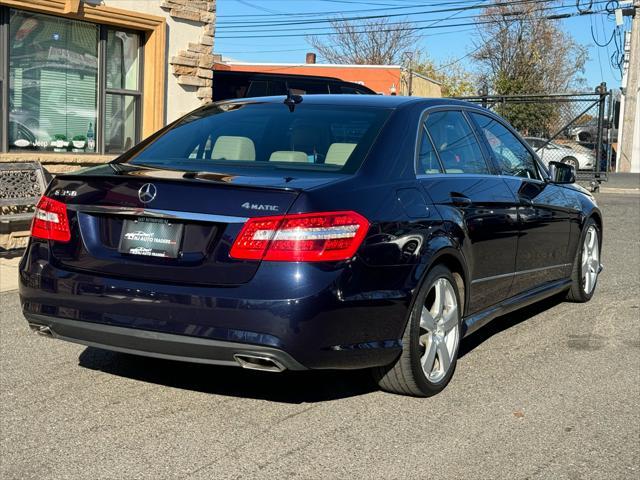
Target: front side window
(455, 143)
(267, 137)
(512, 156)
(71, 86)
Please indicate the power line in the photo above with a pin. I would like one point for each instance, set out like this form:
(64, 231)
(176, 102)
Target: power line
(314, 19)
(406, 28)
(338, 12)
(450, 32)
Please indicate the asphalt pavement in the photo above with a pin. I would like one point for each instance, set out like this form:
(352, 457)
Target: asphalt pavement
(549, 392)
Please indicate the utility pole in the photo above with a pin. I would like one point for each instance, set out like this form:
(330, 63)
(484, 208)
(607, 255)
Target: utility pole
(628, 157)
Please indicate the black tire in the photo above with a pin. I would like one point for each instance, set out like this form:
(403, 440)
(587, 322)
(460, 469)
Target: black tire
(405, 375)
(577, 291)
(584, 137)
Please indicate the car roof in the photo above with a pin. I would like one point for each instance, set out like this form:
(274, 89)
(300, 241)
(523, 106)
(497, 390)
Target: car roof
(543, 140)
(382, 101)
(297, 76)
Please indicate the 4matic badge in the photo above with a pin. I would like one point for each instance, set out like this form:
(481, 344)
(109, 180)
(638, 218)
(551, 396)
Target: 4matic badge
(260, 206)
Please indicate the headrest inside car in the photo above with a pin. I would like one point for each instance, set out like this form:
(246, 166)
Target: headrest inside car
(233, 148)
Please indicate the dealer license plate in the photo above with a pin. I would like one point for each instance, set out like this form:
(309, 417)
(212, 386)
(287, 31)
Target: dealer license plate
(151, 237)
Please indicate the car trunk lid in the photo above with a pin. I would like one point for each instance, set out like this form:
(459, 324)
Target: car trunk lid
(163, 226)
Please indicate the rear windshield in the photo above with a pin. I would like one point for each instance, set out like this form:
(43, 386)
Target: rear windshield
(267, 136)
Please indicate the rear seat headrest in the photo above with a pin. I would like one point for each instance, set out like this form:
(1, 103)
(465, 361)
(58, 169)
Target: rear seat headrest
(288, 156)
(339, 153)
(233, 148)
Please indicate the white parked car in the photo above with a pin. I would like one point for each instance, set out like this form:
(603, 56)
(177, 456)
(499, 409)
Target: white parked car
(580, 159)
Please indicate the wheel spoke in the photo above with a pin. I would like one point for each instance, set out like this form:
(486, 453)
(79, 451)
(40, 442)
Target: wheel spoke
(441, 322)
(438, 302)
(443, 356)
(592, 239)
(590, 259)
(427, 321)
(450, 317)
(429, 356)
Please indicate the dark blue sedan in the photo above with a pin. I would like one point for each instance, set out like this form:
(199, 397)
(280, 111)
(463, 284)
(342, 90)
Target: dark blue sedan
(316, 232)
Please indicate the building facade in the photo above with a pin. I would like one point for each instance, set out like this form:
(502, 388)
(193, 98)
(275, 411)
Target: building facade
(82, 81)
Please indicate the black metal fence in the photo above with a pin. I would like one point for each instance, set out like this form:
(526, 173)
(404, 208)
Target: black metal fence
(574, 128)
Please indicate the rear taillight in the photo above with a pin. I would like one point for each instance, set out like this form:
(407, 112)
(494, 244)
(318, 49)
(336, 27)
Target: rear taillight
(306, 237)
(50, 221)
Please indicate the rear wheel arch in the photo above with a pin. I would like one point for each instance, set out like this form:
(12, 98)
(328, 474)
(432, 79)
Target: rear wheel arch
(454, 261)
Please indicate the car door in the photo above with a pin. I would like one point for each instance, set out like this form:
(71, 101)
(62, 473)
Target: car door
(544, 212)
(479, 208)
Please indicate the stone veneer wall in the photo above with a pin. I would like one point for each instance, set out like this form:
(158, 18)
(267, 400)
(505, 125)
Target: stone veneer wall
(194, 66)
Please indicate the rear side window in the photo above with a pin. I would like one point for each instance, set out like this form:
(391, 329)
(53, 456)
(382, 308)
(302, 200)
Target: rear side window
(427, 157)
(512, 156)
(455, 143)
(267, 136)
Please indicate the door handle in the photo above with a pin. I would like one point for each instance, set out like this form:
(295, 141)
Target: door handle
(460, 200)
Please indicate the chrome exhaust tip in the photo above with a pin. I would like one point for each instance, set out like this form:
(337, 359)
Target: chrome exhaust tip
(43, 330)
(258, 362)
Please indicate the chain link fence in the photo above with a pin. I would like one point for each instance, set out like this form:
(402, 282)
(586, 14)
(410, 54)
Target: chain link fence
(571, 128)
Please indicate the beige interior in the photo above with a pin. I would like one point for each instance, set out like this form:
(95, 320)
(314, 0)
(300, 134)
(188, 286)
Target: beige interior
(233, 148)
(338, 153)
(288, 156)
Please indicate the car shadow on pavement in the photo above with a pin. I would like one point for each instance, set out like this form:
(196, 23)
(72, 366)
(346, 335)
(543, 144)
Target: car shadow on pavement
(286, 387)
(505, 322)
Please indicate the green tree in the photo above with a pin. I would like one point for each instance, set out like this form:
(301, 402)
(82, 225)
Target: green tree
(520, 51)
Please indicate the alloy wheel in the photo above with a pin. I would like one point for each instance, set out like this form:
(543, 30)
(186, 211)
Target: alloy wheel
(439, 330)
(590, 260)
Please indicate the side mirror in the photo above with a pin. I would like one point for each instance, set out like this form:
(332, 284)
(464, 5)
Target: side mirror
(562, 173)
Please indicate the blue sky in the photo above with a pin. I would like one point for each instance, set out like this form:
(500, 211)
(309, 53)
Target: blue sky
(440, 44)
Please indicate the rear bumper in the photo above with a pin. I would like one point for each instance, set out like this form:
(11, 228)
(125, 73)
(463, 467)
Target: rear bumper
(155, 344)
(305, 315)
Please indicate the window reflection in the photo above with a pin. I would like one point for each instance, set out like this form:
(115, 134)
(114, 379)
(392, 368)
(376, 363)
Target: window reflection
(53, 71)
(122, 60)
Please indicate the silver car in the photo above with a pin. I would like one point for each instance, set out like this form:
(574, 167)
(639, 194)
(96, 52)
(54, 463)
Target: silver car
(580, 159)
(588, 132)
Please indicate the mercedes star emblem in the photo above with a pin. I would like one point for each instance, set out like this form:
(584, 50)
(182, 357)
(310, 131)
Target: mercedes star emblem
(147, 192)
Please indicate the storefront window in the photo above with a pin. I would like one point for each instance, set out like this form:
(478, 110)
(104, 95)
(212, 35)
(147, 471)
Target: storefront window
(70, 86)
(53, 75)
(122, 60)
(123, 91)
(3, 65)
(121, 119)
